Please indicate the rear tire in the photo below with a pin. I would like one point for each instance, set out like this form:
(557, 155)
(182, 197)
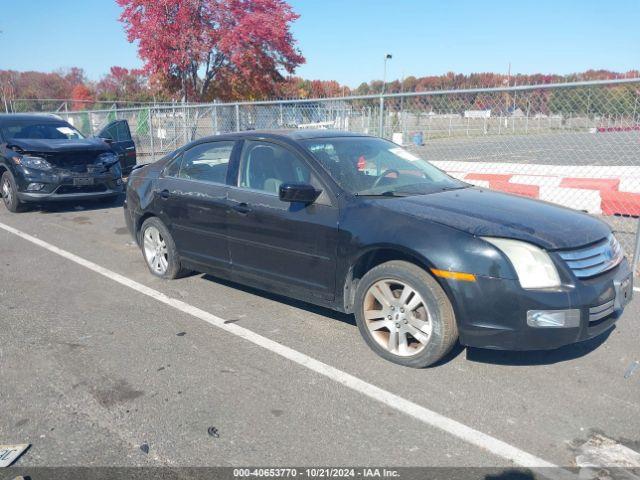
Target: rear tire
(159, 250)
(404, 315)
(10, 193)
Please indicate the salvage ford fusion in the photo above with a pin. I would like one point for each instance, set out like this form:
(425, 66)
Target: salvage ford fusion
(360, 225)
(43, 158)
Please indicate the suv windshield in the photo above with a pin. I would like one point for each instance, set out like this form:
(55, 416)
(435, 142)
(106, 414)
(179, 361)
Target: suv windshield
(39, 129)
(373, 166)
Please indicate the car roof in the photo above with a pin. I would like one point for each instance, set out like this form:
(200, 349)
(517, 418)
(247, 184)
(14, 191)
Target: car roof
(7, 119)
(285, 134)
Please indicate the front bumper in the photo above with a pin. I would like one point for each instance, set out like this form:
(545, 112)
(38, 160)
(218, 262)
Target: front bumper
(53, 197)
(492, 312)
(61, 185)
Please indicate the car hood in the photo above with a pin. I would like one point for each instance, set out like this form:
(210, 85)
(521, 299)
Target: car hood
(484, 212)
(59, 146)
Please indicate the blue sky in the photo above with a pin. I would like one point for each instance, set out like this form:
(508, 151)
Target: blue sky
(346, 40)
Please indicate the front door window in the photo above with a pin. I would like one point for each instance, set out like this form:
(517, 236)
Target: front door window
(266, 166)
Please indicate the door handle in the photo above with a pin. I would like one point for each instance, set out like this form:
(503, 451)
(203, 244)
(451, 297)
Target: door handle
(164, 194)
(242, 208)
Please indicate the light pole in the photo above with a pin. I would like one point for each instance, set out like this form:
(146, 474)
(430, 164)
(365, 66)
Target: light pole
(388, 56)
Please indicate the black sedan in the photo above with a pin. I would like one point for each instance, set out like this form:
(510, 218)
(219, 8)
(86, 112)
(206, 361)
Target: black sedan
(43, 159)
(360, 225)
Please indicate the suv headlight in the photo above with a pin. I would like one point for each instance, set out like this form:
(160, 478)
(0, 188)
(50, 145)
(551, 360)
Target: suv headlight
(533, 265)
(108, 158)
(36, 163)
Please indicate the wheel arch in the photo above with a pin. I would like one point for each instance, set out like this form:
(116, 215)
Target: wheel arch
(139, 221)
(374, 256)
(6, 167)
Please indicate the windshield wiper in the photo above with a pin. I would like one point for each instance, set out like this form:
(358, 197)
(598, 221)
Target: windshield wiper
(412, 189)
(388, 193)
(459, 187)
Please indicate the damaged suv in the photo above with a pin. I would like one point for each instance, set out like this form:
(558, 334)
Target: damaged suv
(43, 159)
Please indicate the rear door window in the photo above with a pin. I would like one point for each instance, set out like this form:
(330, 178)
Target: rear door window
(207, 162)
(173, 167)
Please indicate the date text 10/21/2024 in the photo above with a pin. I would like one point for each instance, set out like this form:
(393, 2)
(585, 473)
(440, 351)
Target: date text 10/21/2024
(316, 472)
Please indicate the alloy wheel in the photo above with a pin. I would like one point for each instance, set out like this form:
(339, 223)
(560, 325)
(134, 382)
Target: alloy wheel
(155, 250)
(7, 192)
(397, 317)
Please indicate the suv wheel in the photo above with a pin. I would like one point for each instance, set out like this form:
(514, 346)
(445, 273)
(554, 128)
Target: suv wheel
(404, 315)
(159, 250)
(10, 193)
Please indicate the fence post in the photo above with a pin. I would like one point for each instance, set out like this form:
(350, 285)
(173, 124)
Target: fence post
(175, 125)
(381, 119)
(237, 117)
(153, 150)
(214, 114)
(636, 249)
(184, 122)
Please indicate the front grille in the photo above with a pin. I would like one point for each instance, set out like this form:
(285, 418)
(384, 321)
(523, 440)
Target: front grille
(601, 311)
(66, 189)
(591, 261)
(78, 162)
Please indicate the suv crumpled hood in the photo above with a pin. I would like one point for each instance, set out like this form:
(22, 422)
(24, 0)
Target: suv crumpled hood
(72, 155)
(33, 145)
(488, 213)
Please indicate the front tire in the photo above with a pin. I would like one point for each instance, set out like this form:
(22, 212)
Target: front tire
(10, 194)
(404, 315)
(159, 250)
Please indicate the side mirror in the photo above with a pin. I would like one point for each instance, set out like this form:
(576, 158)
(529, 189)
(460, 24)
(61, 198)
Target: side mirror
(298, 192)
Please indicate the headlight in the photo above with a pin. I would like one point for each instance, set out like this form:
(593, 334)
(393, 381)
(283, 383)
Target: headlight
(616, 250)
(108, 158)
(36, 163)
(533, 265)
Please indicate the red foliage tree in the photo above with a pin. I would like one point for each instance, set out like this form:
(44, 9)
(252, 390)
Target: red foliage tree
(214, 48)
(81, 96)
(123, 84)
(296, 87)
(73, 76)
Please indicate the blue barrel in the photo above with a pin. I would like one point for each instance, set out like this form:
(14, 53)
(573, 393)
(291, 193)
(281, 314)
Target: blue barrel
(417, 138)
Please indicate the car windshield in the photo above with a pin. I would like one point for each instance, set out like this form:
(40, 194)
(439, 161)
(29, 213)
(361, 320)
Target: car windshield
(42, 130)
(373, 166)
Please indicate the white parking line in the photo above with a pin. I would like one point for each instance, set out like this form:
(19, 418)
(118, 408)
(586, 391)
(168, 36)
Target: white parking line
(391, 400)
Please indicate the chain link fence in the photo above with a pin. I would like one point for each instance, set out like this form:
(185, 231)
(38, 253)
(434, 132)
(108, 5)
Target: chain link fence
(574, 144)
(32, 105)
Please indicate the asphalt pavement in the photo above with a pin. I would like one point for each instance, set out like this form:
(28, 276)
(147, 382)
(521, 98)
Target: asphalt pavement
(91, 369)
(559, 148)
